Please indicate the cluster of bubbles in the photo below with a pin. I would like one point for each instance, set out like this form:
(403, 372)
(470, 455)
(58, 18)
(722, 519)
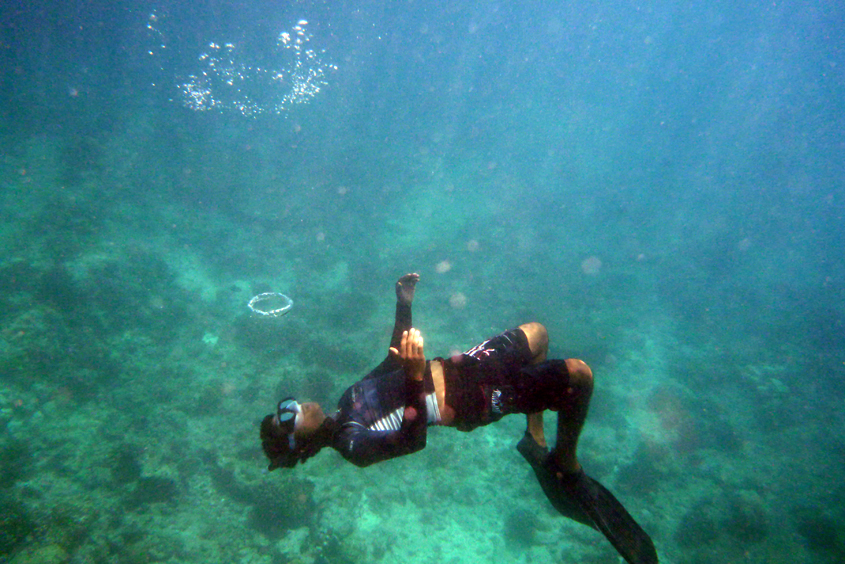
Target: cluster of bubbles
(227, 81)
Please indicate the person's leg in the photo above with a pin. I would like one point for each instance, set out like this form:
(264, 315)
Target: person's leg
(572, 414)
(538, 343)
(574, 494)
(405, 287)
(568, 488)
(538, 340)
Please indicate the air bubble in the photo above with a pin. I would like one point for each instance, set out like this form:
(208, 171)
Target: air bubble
(228, 83)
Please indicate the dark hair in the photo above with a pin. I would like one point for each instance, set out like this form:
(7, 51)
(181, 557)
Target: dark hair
(276, 443)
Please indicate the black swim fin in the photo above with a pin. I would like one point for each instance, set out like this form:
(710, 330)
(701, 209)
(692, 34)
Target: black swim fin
(582, 499)
(536, 457)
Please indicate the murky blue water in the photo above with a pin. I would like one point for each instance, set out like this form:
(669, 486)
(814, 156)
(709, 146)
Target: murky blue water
(660, 184)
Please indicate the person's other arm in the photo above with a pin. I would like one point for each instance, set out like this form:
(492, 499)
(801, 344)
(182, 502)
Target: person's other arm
(362, 446)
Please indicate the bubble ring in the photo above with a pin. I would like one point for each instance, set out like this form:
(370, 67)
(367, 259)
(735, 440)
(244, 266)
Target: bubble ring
(278, 312)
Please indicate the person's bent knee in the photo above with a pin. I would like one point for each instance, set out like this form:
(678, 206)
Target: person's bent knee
(538, 338)
(580, 375)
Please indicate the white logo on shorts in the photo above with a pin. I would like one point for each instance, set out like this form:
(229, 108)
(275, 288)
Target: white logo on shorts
(496, 401)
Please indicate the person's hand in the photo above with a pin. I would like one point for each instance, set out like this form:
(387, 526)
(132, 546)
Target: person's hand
(410, 353)
(405, 288)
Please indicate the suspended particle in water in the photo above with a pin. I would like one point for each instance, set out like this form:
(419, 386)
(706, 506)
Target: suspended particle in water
(458, 300)
(591, 265)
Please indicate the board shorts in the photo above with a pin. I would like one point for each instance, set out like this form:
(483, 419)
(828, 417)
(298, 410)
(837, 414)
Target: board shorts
(497, 378)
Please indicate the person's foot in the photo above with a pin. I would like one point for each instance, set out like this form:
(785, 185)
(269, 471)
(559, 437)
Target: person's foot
(533, 451)
(564, 463)
(405, 288)
(555, 484)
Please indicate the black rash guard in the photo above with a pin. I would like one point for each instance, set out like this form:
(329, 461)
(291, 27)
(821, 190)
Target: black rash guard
(374, 419)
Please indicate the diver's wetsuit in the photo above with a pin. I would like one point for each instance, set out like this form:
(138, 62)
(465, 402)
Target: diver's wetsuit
(483, 385)
(370, 417)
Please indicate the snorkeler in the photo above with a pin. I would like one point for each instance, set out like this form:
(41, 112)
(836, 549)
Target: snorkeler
(386, 415)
